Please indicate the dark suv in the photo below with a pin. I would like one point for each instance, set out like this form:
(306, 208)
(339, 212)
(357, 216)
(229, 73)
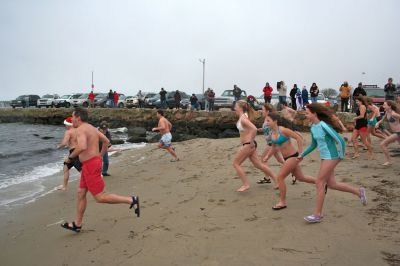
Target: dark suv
(25, 101)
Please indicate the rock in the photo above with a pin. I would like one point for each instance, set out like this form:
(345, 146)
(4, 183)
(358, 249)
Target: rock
(137, 132)
(117, 141)
(153, 137)
(229, 133)
(136, 139)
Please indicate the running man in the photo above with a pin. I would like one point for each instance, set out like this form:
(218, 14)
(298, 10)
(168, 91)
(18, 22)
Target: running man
(164, 126)
(87, 148)
(69, 141)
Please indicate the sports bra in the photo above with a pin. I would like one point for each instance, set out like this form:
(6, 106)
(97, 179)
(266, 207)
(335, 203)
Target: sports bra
(280, 140)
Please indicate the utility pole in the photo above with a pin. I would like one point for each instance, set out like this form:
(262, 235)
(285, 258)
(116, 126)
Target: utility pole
(92, 82)
(203, 61)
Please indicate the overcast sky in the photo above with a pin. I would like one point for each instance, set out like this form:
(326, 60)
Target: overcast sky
(50, 46)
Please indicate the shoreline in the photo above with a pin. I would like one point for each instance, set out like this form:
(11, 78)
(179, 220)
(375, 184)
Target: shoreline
(191, 215)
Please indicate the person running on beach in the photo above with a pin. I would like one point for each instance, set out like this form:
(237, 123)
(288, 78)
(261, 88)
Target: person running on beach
(266, 109)
(88, 138)
(70, 141)
(248, 132)
(360, 128)
(281, 137)
(372, 113)
(164, 126)
(324, 135)
(393, 117)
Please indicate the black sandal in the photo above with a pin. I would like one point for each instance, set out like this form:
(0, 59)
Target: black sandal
(264, 181)
(294, 179)
(135, 201)
(74, 227)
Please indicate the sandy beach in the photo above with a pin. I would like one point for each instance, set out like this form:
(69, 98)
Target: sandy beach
(191, 215)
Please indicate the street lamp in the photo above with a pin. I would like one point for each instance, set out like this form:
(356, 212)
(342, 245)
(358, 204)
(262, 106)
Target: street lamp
(203, 61)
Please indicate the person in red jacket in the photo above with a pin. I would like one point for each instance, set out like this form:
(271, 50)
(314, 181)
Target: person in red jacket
(267, 93)
(116, 98)
(91, 99)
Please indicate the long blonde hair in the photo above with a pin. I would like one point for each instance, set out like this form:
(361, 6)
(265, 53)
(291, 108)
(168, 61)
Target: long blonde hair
(251, 114)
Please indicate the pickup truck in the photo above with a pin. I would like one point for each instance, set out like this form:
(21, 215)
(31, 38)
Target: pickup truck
(226, 99)
(48, 100)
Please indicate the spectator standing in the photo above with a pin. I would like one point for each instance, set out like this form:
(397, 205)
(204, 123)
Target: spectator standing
(359, 91)
(163, 98)
(299, 100)
(91, 99)
(104, 129)
(292, 94)
(211, 99)
(178, 98)
(304, 95)
(390, 90)
(111, 98)
(282, 89)
(267, 90)
(194, 102)
(314, 91)
(206, 100)
(345, 92)
(237, 93)
(140, 98)
(116, 99)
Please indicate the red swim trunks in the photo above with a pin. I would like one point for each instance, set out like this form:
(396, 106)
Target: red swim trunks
(91, 178)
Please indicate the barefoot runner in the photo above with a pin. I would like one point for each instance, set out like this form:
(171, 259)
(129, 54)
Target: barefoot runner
(69, 140)
(87, 149)
(248, 132)
(164, 126)
(324, 136)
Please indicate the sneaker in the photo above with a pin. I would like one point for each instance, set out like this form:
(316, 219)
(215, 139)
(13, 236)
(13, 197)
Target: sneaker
(313, 218)
(174, 160)
(363, 196)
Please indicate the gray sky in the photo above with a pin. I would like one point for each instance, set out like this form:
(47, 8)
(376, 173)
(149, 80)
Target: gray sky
(51, 46)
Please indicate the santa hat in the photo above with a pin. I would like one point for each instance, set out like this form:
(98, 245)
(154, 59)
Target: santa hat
(68, 121)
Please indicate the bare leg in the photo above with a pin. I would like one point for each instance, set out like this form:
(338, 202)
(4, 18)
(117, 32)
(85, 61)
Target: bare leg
(172, 152)
(384, 145)
(377, 134)
(112, 199)
(286, 169)
(354, 136)
(241, 155)
(333, 184)
(255, 159)
(303, 178)
(364, 140)
(66, 177)
(81, 206)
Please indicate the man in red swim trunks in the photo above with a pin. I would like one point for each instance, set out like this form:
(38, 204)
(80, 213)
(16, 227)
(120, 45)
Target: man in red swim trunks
(88, 138)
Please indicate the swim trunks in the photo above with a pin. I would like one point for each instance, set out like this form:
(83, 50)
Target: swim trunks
(74, 163)
(166, 140)
(91, 178)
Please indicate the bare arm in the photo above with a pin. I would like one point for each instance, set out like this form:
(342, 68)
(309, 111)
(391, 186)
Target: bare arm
(362, 113)
(395, 115)
(161, 126)
(65, 141)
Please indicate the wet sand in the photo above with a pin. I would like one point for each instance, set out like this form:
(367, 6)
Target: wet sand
(191, 215)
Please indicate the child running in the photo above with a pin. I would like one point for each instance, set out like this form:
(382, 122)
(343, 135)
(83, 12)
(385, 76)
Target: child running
(281, 137)
(266, 109)
(324, 136)
(360, 128)
(248, 132)
(392, 115)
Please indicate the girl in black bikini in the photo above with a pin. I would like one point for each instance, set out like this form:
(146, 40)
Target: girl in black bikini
(281, 137)
(393, 116)
(360, 128)
(248, 132)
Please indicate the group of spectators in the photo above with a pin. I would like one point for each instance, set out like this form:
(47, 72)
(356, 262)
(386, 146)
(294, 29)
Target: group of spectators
(112, 100)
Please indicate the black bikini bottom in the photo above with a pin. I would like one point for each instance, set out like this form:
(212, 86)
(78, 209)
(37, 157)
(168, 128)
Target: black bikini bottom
(249, 143)
(291, 156)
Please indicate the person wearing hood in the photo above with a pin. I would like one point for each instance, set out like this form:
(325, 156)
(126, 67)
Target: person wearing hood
(292, 94)
(304, 95)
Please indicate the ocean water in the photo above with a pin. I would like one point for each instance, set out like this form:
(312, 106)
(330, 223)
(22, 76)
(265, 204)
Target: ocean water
(30, 164)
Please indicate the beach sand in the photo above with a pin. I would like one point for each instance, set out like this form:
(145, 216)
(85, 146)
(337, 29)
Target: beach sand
(191, 215)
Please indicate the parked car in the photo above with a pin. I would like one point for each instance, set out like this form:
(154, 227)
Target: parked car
(171, 99)
(185, 103)
(151, 102)
(48, 100)
(81, 101)
(226, 100)
(121, 101)
(377, 94)
(63, 101)
(100, 100)
(274, 99)
(74, 97)
(133, 101)
(25, 101)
